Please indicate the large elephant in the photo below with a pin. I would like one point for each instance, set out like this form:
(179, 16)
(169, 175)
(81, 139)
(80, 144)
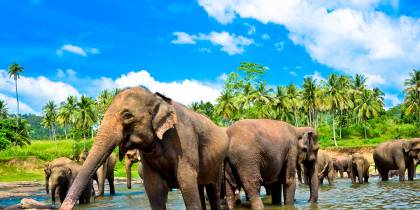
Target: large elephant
(131, 156)
(359, 167)
(49, 166)
(398, 155)
(307, 159)
(62, 177)
(104, 172)
(263, 152)
(341, 165)
(325, 167)
(179, 148)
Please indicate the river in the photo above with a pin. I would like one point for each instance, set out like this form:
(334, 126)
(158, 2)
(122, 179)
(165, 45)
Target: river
(343, 195)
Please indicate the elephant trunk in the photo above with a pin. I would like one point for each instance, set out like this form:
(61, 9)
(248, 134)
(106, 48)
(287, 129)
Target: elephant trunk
(128, 172)
(53, 189)
(47, 182)
(360, 174)
(109, 135)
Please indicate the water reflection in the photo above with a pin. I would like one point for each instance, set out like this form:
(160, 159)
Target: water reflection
(342, 195)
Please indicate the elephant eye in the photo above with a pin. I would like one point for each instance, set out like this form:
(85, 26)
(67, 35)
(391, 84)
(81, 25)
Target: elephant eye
(127, 115)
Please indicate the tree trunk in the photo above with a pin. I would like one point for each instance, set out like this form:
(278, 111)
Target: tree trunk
(17, 102)
(365, 130)
(333, 123)
(340, 123)
(65, 131)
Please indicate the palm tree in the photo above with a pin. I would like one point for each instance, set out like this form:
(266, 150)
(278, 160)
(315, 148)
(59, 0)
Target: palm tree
(3, 109)
(262, 100)
(226, 106)
(333, 98)
(50, 117)
(370, 105)
(345, 87)
(103, 101)
(412, 88)
(279, 103)
(67, 114)
(15, 70)
(86, 116)
(293, 98)
(310, 100)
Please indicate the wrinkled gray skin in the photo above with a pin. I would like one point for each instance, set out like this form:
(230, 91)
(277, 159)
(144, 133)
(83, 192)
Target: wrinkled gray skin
(179, 148)
(307, 159)
(263, 152)
(104, 172)
(398, 155)
(325, 167)
(341, 165)
(61, 179)
(359, 167)
(49, 166)
(131, 156)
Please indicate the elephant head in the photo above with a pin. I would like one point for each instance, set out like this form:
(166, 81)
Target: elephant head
(307, 144)
(136, 119)
(60, 177)
(357, 165)
(49, 166)
(131, 157)
(412, 149)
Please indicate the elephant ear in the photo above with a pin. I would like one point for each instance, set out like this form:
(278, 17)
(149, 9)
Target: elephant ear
(406, 146)
(164, 116)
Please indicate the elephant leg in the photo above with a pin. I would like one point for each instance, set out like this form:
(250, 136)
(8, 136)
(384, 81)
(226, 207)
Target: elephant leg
(187, 180)
(411, 171)
(276, 193)
(213, 192)
(383, 174)
(312, 177)
(251, 185)
(401, 172)
(289, 183)
(341, 173)
(101, 180)
(155, 187)
(321, 180)
(330, 177)
(230, 195)
(111, 182)
(202, 196)
(267, 189)
(299, 176)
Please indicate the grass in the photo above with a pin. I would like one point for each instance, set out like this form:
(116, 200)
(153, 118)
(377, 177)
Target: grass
(27, 163)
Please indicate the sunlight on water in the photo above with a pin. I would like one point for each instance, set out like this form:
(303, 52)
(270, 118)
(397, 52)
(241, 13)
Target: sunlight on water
(391, 194)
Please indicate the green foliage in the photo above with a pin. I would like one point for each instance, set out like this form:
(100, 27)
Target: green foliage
(13, 134)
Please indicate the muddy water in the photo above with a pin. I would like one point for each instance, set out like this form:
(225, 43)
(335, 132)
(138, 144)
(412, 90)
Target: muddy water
(343, 195)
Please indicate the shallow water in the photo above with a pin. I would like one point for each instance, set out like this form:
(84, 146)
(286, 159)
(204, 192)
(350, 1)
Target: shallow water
(343, 195)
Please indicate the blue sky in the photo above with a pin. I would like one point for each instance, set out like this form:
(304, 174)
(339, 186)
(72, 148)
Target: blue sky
(183, 48)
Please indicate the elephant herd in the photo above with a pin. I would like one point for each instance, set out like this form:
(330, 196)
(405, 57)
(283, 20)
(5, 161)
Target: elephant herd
(180, 148)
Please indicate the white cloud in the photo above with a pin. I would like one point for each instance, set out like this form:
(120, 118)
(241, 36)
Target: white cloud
(222, 77)
(392, 99)
(251, 28)
(230, 43)
(186, 91)
(265, 36)
(76, 50)
(316, 76)
(293, 73)
(204, 50)
(352, 36)
(12, 108)
(183, 38)
(70, 73)
(279, 46)
(36, 91)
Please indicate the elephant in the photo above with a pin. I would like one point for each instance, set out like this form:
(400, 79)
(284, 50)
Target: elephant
(341, 165)
(104, 172)
(359, 167)
(307, 159)
(398, 155)
(325, 167)
(263, 152)
(393, 173)
(62, 177)
(131, 157)
(179, 148)
(49, 166)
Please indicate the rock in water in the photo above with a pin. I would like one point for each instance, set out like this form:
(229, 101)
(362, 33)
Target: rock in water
(29, 203)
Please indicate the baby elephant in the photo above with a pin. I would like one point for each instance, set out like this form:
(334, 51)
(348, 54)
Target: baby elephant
(325, 167)
(62, 177)
(359, 167)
